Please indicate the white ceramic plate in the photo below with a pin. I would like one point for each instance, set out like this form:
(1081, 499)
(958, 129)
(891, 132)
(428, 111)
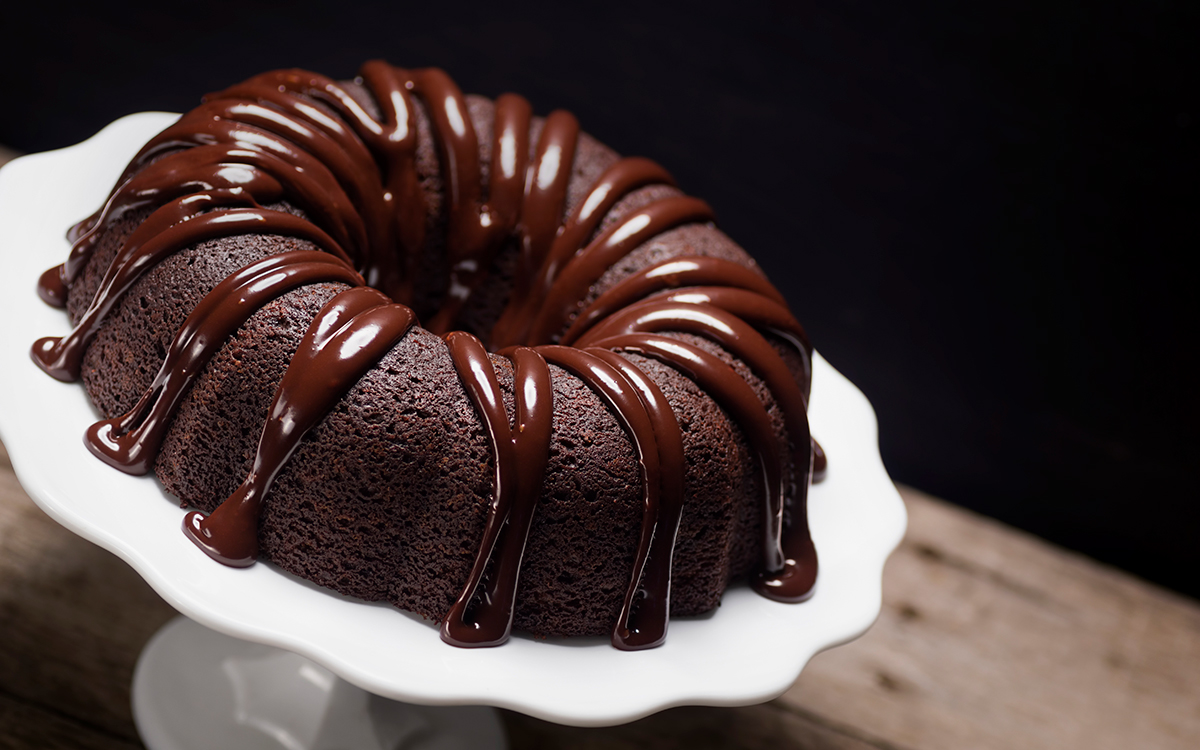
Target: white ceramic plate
(748, 651)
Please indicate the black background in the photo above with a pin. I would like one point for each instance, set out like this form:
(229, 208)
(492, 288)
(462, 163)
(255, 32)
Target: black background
(980, 211)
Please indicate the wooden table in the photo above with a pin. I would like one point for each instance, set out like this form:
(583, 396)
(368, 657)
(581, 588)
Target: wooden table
(989, 638)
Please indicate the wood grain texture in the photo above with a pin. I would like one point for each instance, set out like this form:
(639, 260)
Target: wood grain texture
(23, 725)
(73, 618)
(990, 638)
(771, 726)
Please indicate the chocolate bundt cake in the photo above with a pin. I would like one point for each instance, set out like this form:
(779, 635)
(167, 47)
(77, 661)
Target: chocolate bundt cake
(600, 423)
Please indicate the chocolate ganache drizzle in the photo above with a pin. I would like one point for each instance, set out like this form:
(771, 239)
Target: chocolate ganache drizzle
(305, 139)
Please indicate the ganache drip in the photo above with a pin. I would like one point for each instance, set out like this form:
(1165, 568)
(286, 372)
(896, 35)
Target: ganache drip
(304, 138)
(178, 224)
(484, 617)
(352, 332)
(780, 576)
(132, 441)
(639, 408)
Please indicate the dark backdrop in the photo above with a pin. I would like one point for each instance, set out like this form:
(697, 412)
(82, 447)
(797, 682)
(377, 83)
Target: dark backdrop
(977, 209)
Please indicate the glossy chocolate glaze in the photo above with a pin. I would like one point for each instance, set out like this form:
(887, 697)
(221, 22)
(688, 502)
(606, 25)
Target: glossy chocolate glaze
(52, 288)
(264, 176)
(647, 603)
(303, 137)
(610, 246)
(131, 442)
(176, 225)
(669, 274)
(645, 627)
(349, 335)
(540, 266)
(789, 565)
(484, 617)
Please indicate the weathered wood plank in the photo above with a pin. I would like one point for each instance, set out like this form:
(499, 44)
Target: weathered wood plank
(24, 726)
(990, 638)
(765, 727)
(74, 617)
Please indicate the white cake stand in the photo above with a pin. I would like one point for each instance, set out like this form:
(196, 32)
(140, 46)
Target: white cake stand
(748, 651)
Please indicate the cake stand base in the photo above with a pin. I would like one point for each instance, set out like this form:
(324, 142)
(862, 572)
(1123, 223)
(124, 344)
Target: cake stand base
(196, 688)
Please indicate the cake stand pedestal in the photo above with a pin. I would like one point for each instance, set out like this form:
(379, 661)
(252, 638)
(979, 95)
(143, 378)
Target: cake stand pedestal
(195, 688)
